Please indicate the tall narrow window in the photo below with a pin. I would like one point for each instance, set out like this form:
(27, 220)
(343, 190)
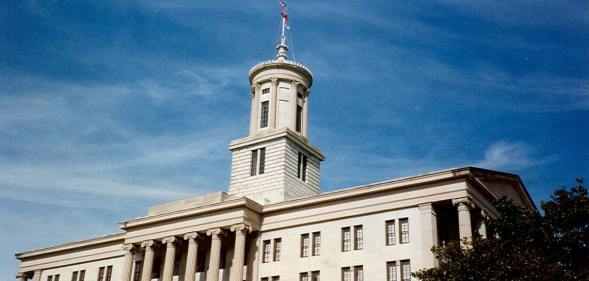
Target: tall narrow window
(56, 277)
(50, 278)
(304, 276)
(108, 272)
(75, 276)
(346, 274)
(138, 268)
(223, 258)
(264, 114)
(405, 270)
(346, 239)
(262, 160)
(390, 232)
(254, 163)
(277, 249)
(299, 124)
(201, 261)
(391, 271)
(315, 275)
(302, 167)
(82, 275)
(101, 274)
(266, 249)
(304, 245)
(404, 228)
(264, 279)
(358, 273)
(358, 237)
(316, 243)
(275, 278)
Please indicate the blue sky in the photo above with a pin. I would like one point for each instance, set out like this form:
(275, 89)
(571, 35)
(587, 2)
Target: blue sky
(107, 107)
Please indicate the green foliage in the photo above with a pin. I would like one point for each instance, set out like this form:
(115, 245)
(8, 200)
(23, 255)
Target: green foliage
(525, 246)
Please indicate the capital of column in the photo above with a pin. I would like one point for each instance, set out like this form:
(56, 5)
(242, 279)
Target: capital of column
(463, 204)
(274, 81)
(22, 275)
(484, 215)
(191, 236)
(215, 233)
(241, 227)
(148, 244)
(295, 82)
(128, 248)
(169, 241)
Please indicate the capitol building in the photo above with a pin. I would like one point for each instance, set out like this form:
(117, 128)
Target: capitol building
(274, 223)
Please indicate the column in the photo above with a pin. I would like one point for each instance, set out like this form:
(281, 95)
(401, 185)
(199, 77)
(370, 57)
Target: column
(215, 256)
(241, 231)
(170, 258)
(254, 123)
(305, 113)
(128, 249)
(147, 260)
(191, 256)
(293, 105)
(37, 275)
(429, 229)
(273, 98)
(464, 223)
(22, 276)
(482, 229)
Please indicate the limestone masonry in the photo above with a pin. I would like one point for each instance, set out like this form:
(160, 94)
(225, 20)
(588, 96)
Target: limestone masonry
(274, 223)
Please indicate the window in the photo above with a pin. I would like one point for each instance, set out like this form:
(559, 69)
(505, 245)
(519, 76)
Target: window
(299, 123)
(358, 238)
(82, 275)
(258, 161)
(266, 249)
(75, 276)
(304, 245)
(405, 270)
(264, 114)
(391, 271)
(265, 91)
(275, 278)
(346, 239)
(358, 273)
(223, 257)
(390, 232)
(277, 249)
(264, 279)
(138, 268)
(302, 167)
(108, 273)
(303, 276)
(316, 243)
(315, 276)
(100, 274)
(346, 274)
(404, 227)
(50, 278)
(201, 257)
(56, 277)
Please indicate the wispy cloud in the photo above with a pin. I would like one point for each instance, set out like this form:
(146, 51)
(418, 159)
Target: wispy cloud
(512, 155)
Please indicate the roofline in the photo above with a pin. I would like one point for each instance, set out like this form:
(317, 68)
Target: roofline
(72, 245)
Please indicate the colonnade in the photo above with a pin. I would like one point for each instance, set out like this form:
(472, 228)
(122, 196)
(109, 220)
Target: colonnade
(192, 240)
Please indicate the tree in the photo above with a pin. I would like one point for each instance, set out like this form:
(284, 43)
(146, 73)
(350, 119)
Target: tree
(525, 245)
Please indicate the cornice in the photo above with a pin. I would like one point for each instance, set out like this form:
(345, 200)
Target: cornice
(215, 207)
(73, 245)
(287, 64)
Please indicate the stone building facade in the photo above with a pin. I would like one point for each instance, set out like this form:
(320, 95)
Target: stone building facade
(274, 224)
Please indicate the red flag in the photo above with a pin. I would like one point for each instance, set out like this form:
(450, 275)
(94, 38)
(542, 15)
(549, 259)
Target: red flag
(285, 16)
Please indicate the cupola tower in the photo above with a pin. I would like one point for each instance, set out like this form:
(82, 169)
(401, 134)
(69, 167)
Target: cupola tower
(276, 162)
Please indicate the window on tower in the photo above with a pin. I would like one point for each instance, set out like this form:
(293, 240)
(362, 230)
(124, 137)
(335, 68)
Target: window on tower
(265, 91)
(302, 167)
(258, 161)
(299, 121)
(264, 114)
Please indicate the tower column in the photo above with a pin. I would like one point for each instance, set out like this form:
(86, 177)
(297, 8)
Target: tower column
(170, 258)
(241, 231)
(482, 229)
(305, 112)
(22, 276)
(273, 98)
(255, 106)
(37, 275)
(464, 221)
(147, 260)
(191, 256)
(294, 103)
(129, 250)
(215, 257)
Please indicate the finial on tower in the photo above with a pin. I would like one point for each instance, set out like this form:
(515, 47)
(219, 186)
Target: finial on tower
(282, 47)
